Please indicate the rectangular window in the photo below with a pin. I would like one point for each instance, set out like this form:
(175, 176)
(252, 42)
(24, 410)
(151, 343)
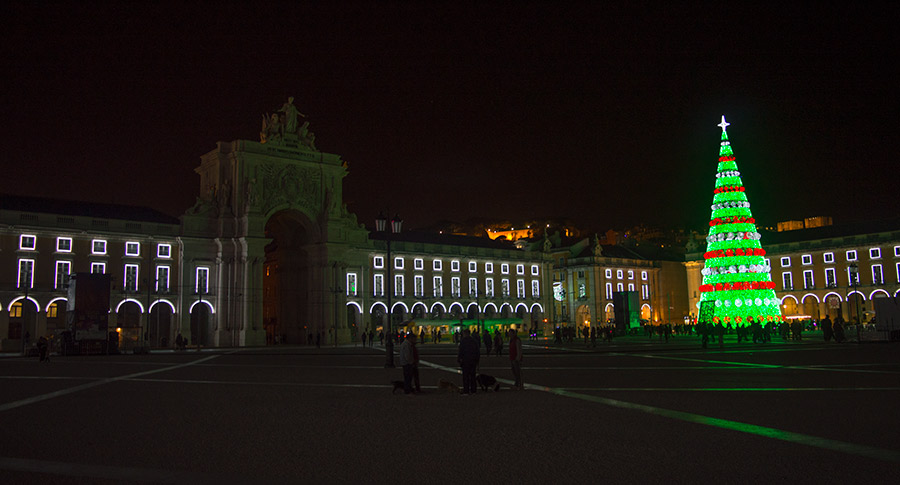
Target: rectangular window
(130, 281)
(896, 250)
(644, 275)
(378, 262)
(418, 263)
(420, 285)
(504, 288)
(609, 292)
(27, 242)
(398, 263)
(877, 275)
(806, 259)
(830, 278)
(473, 287)
(351, 284)
(489, 267)
(438, 287)
(26, 274)
(645, 292)
(436, 265)
(378, 286)
(786, 282)
(454, 265)
(98, 268)
(630, 286)
(63, 270)
(619, 274)
(808, 282)
(473, 266)
(851, 255)
(132, 248)
(582, 290)
(535, 271)
(608, 273)
(898, 272)
(785, 262)
(454, 287)
(64, 244)
(489, 287)
(535, 289)
(162, 279)
(164, 251)
(398, 285)
(504, 268)
(520, 288)
(620, 286)
(520, 269)
(581, 273)
(631, 274)
(828, 257)
(98, 246)
(875, 253)
(852, 278)
(201, 283)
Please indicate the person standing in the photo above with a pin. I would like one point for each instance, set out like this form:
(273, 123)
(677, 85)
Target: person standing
(468, 355)
(408, 356)
(827, 330)
(486, 338)
(515, 358)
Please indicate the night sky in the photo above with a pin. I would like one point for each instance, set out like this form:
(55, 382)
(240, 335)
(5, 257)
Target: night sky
(454, 110)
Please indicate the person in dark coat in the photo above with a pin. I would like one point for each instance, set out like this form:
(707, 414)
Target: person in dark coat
(468, 356)
(486, 338)
(827, 330)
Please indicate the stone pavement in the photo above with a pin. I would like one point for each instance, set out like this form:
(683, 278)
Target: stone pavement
(633, 411)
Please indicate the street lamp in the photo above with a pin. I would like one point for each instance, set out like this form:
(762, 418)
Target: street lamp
(396, 226)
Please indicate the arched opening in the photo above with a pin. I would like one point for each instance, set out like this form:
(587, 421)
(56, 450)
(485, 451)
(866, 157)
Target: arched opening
(609, 313)
(833, 306)
(22, 320)
(201, 325)
(583, 316)
(789, 307)
(293, 276)
(128, 321)
(56, 316)
(645, 312)
(856, 308)
(354, 320)
(160, 325)
(810, 306)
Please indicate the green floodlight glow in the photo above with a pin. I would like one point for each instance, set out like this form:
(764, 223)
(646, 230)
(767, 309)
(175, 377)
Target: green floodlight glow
(736, 278)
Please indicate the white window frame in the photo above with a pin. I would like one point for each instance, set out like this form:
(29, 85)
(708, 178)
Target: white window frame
(897, 251)
(473, 266)
(164, 251)
(473, 287)
(399, 287)
(630, 286)
(455, 289)
(163, 275)
(520, 288)
(419, 264)
(645, 292)
(809, 281)
(488, 268)
(631, 274)
(378, 285)
(489, 287)
(874, 253)
(98, 265)
(98, 246)
(535, 288)
(850, 280)
(787, 281)
(27, 242)
(436, 265)
(851, 255)
(504, 268)
(132, 248)
(608, 273)
(504, 288)
(201, 270)
(806, 259)
(419, 282)
(609, 291)
(438, 283)
(643, 276)
(620, 286)
(398, 262)
(378, 262)
(620, 274)
(352, 284)
(125, 283)
(833, 278)
(26, 267)
(59, 245)
(520, 269)
(828, 258)
(877, 279)
(61, 278)
(454, 265)
(535, 270)
(786, 262)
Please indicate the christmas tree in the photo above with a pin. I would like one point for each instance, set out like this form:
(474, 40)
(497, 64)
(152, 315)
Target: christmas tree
(737, 280)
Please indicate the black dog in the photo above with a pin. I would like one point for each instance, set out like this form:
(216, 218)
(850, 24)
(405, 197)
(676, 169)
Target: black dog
(486, 381)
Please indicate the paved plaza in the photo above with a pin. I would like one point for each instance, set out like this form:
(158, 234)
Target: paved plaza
(637, 410)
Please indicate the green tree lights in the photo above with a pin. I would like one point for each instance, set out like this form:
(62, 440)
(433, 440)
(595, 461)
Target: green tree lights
(735, 276)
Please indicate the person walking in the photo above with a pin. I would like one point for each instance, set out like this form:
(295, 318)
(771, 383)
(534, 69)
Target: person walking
(468, 356)
(408, 360)
(515, 358)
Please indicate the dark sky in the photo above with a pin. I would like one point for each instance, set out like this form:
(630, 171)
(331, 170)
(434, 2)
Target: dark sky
(453, 110)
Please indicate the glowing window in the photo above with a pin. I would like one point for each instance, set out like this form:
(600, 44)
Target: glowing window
(630, 286)
(164, 251)
(201, 281)
(438, 286)
(436, 265)
(875, 253)
(830, 278)
(98, 268)
(130, 279)
(473, 287)
(27, 242)
(877, 275)
(98, 246)
(619, 274)
(787, 283)
(488, 267)
(520, 269)
(132, 248)
(520, 288)
(620, 287)
(454, 265)
(473, 266)
(785, 262)
(896, 250)
(378, 263)
(535, 270)
(63, 270)
(535, 289)
(630, 274)
(454, 286)
(504, 288)
(489, 287)
(645, 292)
(398, 263)
(398, 285)
(26, 274)
(608, 273)
(808, 281)
(806, 259)
(609, 292)
(644, 275)
(351, 284)
(420, 285)
(64, 244)
(504, 268)
(828, 257)
(418, 263)
(162, 279)
(378, 286)
(851, 255)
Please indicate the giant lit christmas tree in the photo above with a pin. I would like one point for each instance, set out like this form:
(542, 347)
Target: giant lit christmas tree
(736, 278)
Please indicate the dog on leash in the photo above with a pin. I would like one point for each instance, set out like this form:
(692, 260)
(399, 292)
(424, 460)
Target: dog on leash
(445, 385)
(486, 381)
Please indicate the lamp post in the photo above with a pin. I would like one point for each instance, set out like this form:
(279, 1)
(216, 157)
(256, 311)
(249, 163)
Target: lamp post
(853, 269)
(396, 226)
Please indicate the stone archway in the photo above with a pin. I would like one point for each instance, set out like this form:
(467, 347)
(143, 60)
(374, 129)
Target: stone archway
(583, 316)
(294, 296)
(160, 325)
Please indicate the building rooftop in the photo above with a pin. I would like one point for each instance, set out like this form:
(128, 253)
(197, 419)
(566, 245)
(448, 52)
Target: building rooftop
(84, 209)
